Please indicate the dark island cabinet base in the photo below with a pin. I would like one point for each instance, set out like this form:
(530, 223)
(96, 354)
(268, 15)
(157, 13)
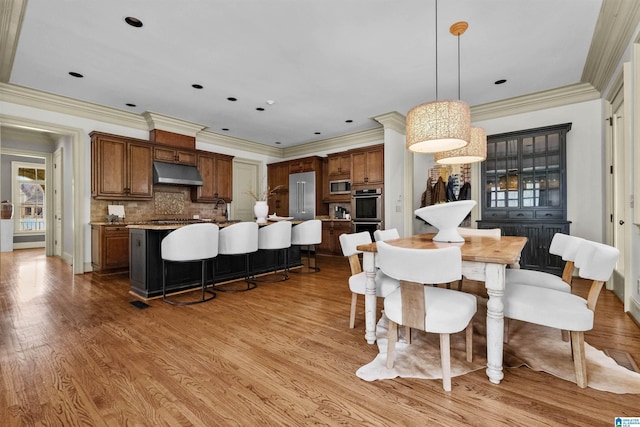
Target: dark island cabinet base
(145, 265)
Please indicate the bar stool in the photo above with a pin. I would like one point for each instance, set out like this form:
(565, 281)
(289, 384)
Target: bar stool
(193, 242)
(309, 234)
(240, 239)
(276, 237)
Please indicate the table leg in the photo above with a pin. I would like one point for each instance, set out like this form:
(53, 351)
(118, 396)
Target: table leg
(368, 265)
(495, 283)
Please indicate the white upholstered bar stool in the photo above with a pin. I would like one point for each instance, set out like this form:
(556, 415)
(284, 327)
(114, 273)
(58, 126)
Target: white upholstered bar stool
(358, 279)
(193, 242)
(239, 239)
(563, 310)
(309, 234)
(276, 237)
(430, 309)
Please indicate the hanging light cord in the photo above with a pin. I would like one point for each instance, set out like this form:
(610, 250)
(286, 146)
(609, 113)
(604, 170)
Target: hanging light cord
(458, 66)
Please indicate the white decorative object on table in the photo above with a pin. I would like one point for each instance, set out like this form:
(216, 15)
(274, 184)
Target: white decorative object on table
(261, 210)
(446, 217)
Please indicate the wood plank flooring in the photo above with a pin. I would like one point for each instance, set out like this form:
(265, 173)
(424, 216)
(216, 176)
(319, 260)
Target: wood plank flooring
(74, 351)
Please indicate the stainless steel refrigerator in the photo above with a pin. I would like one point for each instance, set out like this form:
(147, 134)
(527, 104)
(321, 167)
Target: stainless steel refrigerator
(302, 195)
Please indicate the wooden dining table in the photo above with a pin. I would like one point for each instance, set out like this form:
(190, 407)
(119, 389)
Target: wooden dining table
(484, 259)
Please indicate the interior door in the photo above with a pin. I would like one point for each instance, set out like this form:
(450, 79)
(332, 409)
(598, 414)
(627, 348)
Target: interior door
(617, 191)
(245, 177)
(57, 202)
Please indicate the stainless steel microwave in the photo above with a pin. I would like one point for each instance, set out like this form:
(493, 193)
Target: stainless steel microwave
(342, 186)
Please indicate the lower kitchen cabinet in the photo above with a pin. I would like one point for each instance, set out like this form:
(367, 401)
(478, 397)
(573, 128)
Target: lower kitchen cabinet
(109, 248)
(535, 255)
(331, 231)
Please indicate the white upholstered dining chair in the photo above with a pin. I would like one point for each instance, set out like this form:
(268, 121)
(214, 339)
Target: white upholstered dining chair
(388, 234)
(358, 278)
(430, 309)
(563, 310)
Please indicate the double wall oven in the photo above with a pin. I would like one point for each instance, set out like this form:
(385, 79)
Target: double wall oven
(367, 210)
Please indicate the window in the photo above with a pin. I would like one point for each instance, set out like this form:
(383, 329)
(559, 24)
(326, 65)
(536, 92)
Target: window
(28, 197)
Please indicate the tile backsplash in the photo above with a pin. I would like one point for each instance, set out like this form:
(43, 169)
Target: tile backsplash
(169, 201)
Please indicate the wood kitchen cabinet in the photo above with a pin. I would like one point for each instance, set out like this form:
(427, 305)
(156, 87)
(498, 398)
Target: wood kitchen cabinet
(278, 175)
(121, 168)
(305, 164)
(331, 231)
(109, 248)
(367, 166)
(339, 165)
(174, 155)
(216, 172)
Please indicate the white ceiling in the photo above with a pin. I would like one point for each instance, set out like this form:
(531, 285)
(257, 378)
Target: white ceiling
(321, 62)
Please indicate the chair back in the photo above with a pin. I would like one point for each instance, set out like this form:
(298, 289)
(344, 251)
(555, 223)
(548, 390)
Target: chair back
(239, 238)
(307, 233)
(565, 246)
(596, 260)
(349, 242)
(427, 266)
(191, 242)
(275, 236)
(486, 232)
(389, 234)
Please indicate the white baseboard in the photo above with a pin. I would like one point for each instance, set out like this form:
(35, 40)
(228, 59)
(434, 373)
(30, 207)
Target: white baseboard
(88, 267)
(634, 310)
(67, 257)
(28, 245)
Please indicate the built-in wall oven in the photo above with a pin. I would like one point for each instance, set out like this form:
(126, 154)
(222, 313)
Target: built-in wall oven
(366, 209)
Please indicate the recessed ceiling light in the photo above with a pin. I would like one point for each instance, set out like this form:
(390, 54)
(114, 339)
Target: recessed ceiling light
(270, 102)
(278, 142)
(128, 104)
(231, 98)
(348, 121)
(499, 82)
(316, 133)
(225, 129)
(74, 74)
(197, 86)
(134, 22)
(260, 109)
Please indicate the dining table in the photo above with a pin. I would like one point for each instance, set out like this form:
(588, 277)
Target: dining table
(484, 259)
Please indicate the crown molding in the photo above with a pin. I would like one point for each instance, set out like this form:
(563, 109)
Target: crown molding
(237, 144)
(616, 25)
(170, 124)
(338, 143)
(19, 134)
(11, 15)
(394, 121)
(566, 95)
(60, 104)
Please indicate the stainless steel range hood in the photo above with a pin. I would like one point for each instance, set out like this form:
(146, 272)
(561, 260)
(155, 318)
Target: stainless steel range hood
(170, 173)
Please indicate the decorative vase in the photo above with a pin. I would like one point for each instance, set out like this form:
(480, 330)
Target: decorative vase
(261, 209)
(7, 210)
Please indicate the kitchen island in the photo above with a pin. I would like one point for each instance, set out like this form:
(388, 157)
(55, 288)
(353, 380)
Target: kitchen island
(145, 263)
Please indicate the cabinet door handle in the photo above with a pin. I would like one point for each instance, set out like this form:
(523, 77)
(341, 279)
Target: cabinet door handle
(621, 222)
(520, 214)
(548, 214)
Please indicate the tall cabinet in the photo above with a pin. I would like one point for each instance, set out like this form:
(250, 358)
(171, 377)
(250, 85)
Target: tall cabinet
(525, 190)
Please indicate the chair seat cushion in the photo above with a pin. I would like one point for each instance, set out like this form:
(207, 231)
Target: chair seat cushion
(547, 307)
(536, 278)
(447, 311)
(384, 284)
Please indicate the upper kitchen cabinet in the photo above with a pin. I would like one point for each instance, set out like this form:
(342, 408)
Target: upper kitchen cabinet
(367, 166)
(306, 164)
(121, 168)
(339, 165)
(216, 172)
(174, 155)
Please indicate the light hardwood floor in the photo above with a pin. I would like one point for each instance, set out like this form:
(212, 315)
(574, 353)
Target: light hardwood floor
(75, 352)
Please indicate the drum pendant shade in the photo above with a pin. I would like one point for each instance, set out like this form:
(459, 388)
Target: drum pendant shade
(476, 151)
(438, 126)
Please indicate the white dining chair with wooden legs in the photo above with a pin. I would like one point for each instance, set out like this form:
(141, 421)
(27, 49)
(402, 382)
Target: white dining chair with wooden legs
(358, 278)
(418, 305)
(563, 310)
(193, 242)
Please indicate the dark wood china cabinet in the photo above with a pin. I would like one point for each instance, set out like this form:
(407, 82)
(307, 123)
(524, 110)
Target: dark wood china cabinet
(525, 190)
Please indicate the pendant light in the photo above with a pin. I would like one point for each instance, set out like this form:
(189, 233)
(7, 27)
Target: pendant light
(476, 151)
(438, 125)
